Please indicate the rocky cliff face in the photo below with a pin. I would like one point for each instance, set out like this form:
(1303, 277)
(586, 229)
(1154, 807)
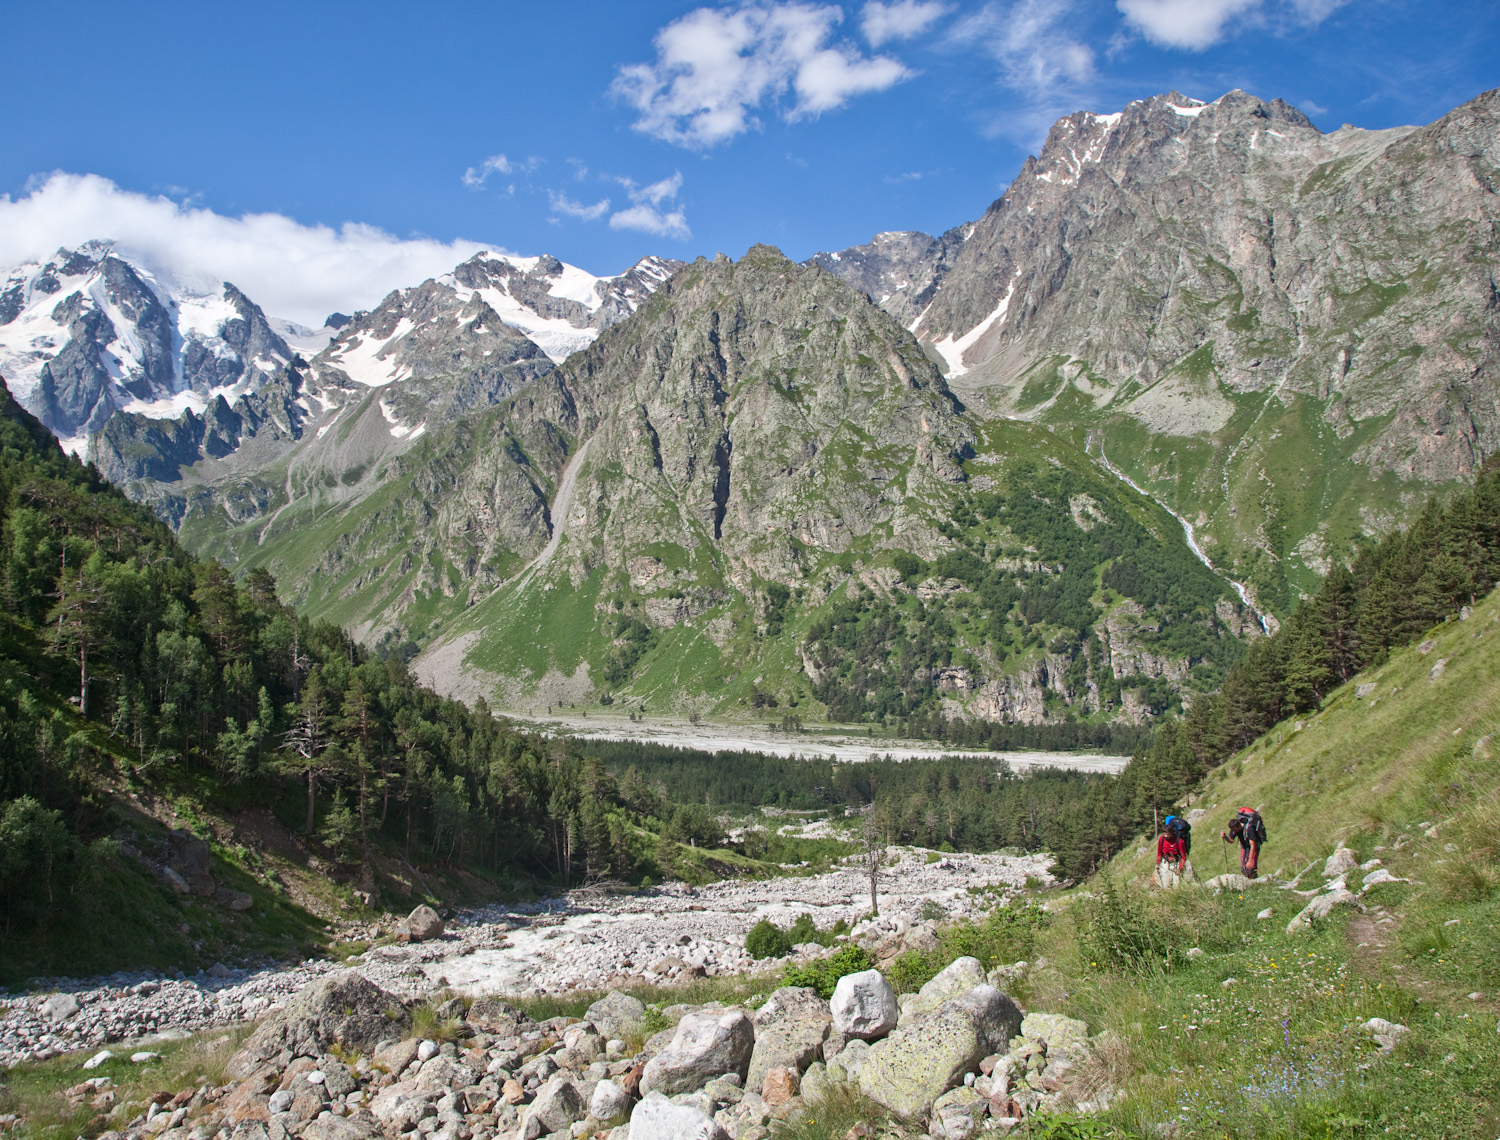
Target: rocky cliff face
(1287, 336)
(87, 333)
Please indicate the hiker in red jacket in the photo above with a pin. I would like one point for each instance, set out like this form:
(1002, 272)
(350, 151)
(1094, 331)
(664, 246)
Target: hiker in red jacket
(1250, 831)
(1171, 849)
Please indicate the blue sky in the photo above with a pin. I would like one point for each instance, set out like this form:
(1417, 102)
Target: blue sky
(600, 132)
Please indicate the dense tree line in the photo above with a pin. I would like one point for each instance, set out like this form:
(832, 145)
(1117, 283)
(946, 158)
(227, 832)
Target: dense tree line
(1029, 559)
(123, 657)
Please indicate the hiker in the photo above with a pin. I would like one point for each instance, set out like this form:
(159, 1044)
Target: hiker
(1250, 831)
(1172, 853)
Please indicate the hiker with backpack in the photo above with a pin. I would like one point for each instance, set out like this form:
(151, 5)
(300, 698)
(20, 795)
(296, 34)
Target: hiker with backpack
(1250, 831)
(1173, 846)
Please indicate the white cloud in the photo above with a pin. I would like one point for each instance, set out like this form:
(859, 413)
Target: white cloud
(901, 20)
(1040, 60)
(1316, 11)
(715, 67)
(1191, 24)
(1031, 41)
(1199, 24)
(654, 210)
(648, 219)
(562, 204)
(475, 176)
(291, 270)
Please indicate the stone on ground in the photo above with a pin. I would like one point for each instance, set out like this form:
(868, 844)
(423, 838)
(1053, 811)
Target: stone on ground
(790, 1029)
(704, 1046)
(617, 1015)
(344, 1009)
(959, 976)
(557, 1105)
(1341, 862)
(928, 1055)
(958, 1114)
(59, 1007)
(1320, 908)
(864, 1006)
(657, 1118)
(609, 1101)
(423, 924)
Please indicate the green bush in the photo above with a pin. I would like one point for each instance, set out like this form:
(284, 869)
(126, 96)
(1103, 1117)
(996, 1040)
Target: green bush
(1007, 934)
(824, 973)
(1119, 933)
(767, 940)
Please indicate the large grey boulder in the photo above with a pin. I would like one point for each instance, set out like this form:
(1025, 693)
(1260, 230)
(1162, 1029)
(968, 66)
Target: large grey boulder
(59, 1007)
(790, 1029)
(657, 1118)
(864, 1006)
(928, 1055)
(958, 977)
(704, 1046)
(191, 858)
(344, 1009)
(608, 1101)
(422, 924)
(617, 1015)
(557, 1104)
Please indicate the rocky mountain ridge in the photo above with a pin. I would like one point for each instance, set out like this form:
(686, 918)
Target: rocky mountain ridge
(1289, 337)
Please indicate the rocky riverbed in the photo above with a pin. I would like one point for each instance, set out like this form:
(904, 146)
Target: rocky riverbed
(587, 939)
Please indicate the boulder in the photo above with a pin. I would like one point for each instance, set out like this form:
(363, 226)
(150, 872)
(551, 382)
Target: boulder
(958, 1114)
(497, 1017)
(1341, 862)
(657, 1118)
(609, 1101)
(864, 1006)
(789, 1032)
(190, 858)
(233, 899)
(557, 1104)
(704, 1046)
(959, 976)
(848, 1062)
(1320, 908)
(59, 1007)
(618, 1015)
(779, 1086)
(928, 1055)
(344, 1009)
(422, 924)
(1063, 1035)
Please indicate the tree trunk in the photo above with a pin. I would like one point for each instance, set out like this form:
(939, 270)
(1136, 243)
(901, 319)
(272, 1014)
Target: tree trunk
(312, 791)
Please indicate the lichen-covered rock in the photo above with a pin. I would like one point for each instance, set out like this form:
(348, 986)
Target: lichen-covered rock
(789, 1032)
(864, 1006)
(958, 977)
(608, 1101)
(344, 1009)
(557, 1104)
(928, 1055)
(958, 1114)
(704, 1046)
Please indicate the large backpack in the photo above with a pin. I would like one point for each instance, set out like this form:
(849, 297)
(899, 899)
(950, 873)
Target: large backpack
(1255, 827)
(1182, 831)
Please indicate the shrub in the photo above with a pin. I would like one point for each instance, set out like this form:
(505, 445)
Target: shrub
(767, 940)
(1120, 934)
(823, 974)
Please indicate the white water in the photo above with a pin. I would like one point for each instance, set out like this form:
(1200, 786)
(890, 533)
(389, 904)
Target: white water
(1187, 530)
